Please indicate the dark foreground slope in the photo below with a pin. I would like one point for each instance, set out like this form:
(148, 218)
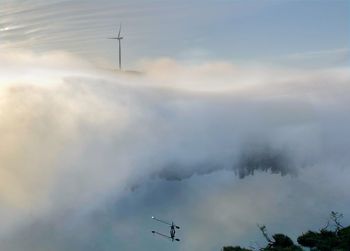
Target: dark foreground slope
(333, 237)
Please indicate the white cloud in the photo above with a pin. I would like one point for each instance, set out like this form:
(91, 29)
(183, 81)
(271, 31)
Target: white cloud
(75, 137)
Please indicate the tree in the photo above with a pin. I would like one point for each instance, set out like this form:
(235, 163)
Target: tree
(324, 240)
(309, 239)
(335, 217)
(281, 242)
(332, 237)
(327, 239)
(344, 238)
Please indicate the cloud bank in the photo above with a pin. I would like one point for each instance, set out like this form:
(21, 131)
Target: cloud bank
(75, 139)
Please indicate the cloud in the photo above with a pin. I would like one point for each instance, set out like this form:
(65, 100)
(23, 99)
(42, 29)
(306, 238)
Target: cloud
(316, 59)
(75, 138)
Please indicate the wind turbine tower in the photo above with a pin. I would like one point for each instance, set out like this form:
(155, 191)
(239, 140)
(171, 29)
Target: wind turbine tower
(119, 38)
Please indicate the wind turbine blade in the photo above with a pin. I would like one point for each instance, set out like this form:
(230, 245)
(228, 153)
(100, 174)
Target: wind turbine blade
(162, 221)
(112, 38)
(120, 29)
(163, 235)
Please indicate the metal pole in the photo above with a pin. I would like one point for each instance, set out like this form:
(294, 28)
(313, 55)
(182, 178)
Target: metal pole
(120, 55)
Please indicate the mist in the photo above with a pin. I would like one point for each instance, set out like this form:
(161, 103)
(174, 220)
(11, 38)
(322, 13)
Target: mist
(82, 146)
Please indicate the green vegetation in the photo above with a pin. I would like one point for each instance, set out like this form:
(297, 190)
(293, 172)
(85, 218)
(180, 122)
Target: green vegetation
(333, 237)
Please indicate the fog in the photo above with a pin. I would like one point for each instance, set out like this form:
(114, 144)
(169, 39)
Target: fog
(87, 154)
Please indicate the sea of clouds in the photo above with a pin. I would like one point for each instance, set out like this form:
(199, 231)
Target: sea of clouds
(87, 153)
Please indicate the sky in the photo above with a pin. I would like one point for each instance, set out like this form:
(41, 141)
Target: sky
(312, 33)
(238, 116)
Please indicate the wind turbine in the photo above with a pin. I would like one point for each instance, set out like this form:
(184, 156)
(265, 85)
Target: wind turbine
(172, 230)
(119, 38)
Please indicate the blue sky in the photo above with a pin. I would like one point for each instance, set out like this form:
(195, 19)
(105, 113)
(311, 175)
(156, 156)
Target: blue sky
(263, 31)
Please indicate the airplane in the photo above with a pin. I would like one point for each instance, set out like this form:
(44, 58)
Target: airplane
(172, 230)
